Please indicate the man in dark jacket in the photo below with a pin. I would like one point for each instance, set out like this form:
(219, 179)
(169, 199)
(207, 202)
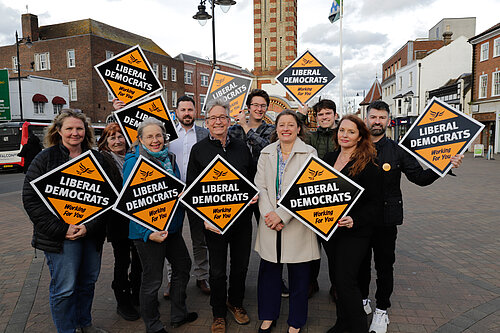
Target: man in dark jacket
(393, 160)
(239, 236)
(325, 112)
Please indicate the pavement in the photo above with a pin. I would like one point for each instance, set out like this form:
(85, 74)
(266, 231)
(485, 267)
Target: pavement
(447, 272)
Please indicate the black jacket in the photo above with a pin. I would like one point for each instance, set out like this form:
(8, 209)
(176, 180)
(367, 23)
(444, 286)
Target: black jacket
(367, 210)
(394, 158)
(116, 223)
(49, 231)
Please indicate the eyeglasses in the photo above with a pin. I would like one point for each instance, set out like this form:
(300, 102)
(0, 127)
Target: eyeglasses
(261, 106)
(215, 118)
(156, 137)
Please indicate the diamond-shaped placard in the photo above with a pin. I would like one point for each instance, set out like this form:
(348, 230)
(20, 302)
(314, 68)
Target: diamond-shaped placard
(77, 191)
(319, 196)
(149, 196)
(128, 75)
(440, 133)
(219, 194)
(305, 77)
(133, 114)
(229, 87)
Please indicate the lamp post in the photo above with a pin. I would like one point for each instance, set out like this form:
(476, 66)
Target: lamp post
(18, 62)
(202, 16)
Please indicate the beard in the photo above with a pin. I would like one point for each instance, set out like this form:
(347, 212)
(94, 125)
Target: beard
(186, 121)
(377, 131)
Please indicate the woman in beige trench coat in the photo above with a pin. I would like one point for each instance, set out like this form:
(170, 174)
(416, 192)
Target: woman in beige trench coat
(280, 237)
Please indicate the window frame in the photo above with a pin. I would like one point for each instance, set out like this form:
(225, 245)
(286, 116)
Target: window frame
(188, 77)
(69, 59)
(164, 72)
(497, 83)
(485, 53)
(173, 74)
(496, 47)
(481, 77)
(72, 97)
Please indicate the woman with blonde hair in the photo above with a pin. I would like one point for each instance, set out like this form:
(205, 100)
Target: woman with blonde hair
(73, 252)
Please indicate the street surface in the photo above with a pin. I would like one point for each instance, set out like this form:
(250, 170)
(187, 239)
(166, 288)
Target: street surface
(447, 274)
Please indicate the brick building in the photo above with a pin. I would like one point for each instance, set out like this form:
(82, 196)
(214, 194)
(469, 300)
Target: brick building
(486, 85)
(275, 38)
(197, 75)
(68, 51)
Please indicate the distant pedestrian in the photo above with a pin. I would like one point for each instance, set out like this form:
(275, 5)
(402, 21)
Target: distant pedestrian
(30, 150)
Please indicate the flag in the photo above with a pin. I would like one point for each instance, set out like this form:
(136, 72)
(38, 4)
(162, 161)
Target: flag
(334, 11)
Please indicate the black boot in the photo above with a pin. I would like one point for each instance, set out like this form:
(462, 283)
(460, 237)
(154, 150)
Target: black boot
(124, 305)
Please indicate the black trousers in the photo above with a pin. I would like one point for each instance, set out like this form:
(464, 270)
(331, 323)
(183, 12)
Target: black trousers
(126, 256)
(383, 245)
(345, 255)
(153, 256)
(269, 291)
(238, 239)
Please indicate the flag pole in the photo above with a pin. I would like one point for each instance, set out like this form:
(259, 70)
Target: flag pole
(341, 90)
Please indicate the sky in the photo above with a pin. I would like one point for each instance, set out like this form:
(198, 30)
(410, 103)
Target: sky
(372, 29)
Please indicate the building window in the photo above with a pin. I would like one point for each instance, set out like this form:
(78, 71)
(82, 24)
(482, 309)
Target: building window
(155, 69)
(400, 80)
(57, 108)
(483, 84)
(164, 73)
(109, 55)
(14, 64)
(400, 111)
(70, 54)
(72, 90)
(173, 75)
(496, 47)
(496, 84)
(410, 79)
(38, 107)
(174, 98)
(204, 80)
(42, 61)
(202, 101)
(485, 48)
(188, 77)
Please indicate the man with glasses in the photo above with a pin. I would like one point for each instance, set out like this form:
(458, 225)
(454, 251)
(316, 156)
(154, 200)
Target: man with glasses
(239, 236)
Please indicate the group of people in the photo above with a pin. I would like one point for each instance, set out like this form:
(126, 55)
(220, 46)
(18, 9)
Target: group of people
(271, 156)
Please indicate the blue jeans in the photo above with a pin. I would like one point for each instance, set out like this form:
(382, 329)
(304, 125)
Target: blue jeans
(73, 273)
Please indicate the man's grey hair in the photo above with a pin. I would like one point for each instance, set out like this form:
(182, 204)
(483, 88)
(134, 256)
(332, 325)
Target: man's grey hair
(148, 122)
(217, 102)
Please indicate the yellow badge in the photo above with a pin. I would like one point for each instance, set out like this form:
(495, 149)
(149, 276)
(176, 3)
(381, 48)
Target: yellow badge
(386, 167)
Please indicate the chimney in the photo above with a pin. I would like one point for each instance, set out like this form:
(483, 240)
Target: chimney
(30, 26)
(447, 37)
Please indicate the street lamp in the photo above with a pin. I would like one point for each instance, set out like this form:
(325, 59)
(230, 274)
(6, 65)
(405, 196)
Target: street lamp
(29, 44)
(202, 16)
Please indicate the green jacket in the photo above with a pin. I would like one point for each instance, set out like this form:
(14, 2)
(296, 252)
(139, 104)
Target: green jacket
(321, 139)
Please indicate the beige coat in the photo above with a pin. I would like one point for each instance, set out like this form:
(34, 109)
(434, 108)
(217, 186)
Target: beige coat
(298, 242)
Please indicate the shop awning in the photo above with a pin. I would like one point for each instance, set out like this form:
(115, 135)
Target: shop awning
(58, 101)
(39, 98)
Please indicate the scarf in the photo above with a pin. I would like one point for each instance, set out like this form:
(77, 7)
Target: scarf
(162, 157)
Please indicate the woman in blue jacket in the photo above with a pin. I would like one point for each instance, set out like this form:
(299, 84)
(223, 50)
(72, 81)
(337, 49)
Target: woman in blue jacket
(154, 247)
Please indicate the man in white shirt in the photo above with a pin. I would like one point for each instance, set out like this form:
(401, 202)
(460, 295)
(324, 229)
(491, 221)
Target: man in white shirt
(189, 134)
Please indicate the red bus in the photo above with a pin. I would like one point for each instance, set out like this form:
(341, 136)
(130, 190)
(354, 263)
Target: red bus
(13, 135)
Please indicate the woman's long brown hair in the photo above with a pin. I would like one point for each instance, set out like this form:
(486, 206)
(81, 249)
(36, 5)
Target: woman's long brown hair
(365, 151)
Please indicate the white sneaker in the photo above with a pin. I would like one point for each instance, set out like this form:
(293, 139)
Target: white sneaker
(379, 322)
(367, 306)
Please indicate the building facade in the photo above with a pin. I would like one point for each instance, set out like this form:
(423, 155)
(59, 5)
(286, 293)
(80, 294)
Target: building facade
(68, 52)
(461, 26)
(486, 85)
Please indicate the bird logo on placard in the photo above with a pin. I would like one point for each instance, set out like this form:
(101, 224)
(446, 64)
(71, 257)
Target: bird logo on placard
(146, 174)
(219, 81)
(84, 169)
(219, 174)
(435, 114)
(314, 173)
(154, 108)
(306, 62)
(133, 60)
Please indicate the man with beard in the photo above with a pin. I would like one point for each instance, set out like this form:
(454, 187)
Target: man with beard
(393, 160)
(189, 134)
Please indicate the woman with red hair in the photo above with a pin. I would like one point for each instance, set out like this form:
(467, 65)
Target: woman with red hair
(346, 249)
